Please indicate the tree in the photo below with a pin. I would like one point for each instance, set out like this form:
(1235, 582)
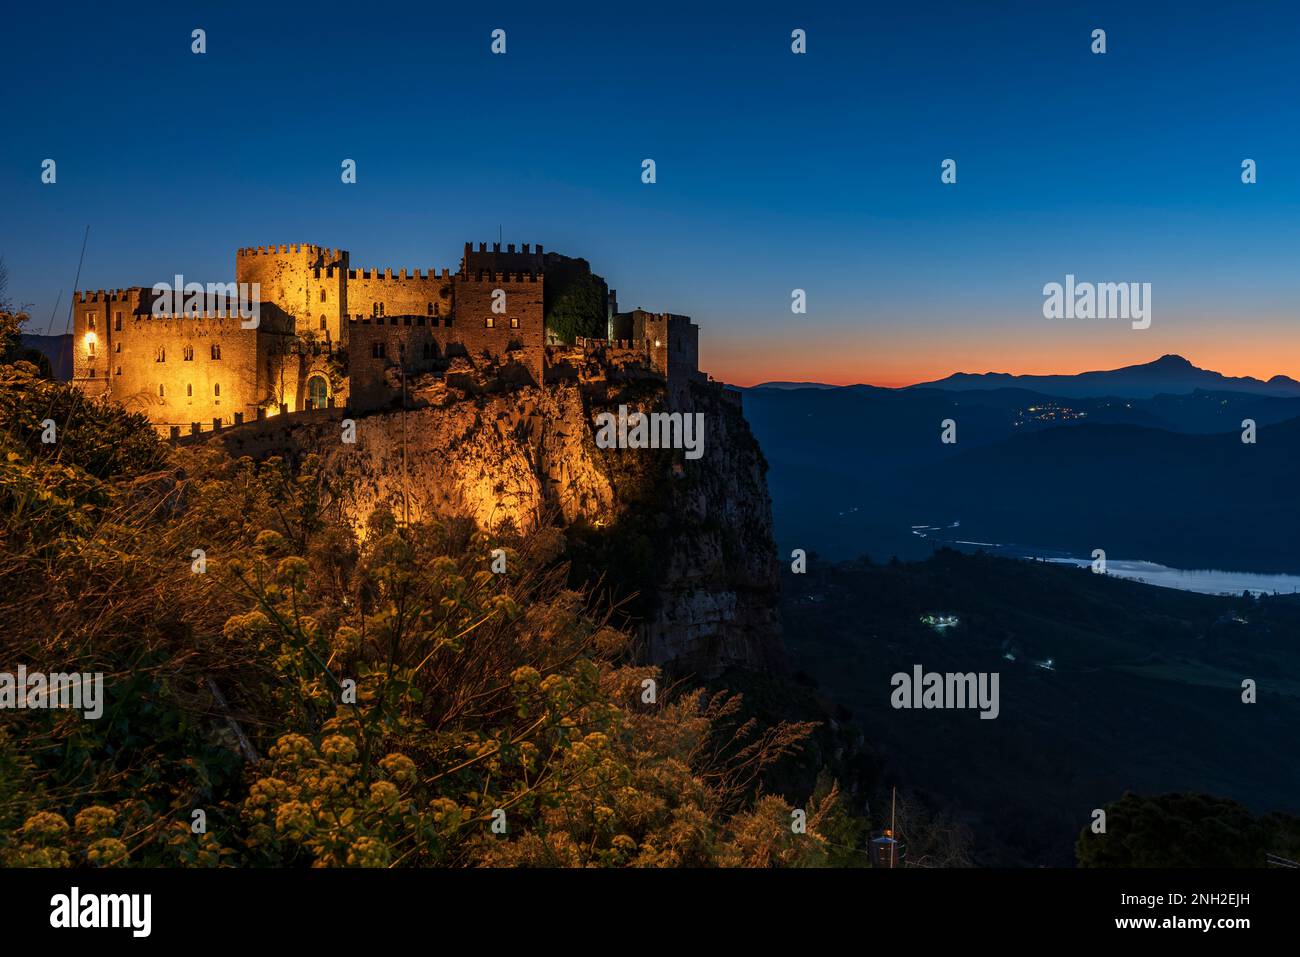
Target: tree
(1184, 830)
(11, 327)
(576, 304)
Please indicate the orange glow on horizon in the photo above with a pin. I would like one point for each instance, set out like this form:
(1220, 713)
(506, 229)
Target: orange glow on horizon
(902, 363)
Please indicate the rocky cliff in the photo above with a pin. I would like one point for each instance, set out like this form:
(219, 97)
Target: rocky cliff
(689, 539)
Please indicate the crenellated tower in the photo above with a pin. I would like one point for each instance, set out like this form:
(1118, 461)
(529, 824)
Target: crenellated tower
(303, 281)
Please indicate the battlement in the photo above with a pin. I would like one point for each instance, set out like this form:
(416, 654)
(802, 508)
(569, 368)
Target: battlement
(487, 275)
(406, 320)
(112, 295)
(206, 316)
(387, 274)
(310, 250)
(509, 250)
(588, 344)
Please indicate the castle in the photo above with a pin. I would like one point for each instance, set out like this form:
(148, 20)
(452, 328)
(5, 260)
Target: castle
(328, 335)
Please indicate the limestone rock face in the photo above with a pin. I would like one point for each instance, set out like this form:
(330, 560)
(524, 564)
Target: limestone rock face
(528, 456)
(516, 457)
(716, 603)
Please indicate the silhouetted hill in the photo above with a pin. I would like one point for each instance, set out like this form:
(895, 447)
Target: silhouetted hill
(1169, 373)
(853, 468)
(58, 349)
(794, 385)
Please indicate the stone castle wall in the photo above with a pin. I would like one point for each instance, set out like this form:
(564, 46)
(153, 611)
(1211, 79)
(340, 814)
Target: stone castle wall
(312, 303)
(384, 343)
(414, 294)
(175, 369)
(518, 332)
(289, 287)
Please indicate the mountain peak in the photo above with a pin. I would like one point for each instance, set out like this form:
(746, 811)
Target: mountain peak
(1171, 373)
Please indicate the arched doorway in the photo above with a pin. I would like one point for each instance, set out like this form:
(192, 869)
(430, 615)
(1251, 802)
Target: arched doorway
(318, 391)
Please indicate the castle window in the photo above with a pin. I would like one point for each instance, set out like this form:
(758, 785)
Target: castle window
(117, 347)
(322, 321)
(92, 322)
(514, 322)
(117, 322)
(429, 309)
(160, 389)
(188, 353)
(189, 390)
(490, 322)
(119, 370)
(322, 295)
(161, 355)
(216, 389)
(377, 350)
(216, 351)
(90, 348)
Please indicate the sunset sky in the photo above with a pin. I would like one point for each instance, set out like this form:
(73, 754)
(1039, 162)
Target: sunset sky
(775, 171)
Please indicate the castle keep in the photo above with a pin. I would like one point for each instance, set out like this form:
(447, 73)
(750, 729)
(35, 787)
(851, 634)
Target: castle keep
(330, 335)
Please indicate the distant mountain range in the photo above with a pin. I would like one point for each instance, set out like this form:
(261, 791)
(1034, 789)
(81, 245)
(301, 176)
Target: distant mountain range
(1169, 374)
(794, 385)
(1148, 458)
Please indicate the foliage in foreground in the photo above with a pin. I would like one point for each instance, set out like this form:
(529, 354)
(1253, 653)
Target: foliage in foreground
(315, 697)
(1187, 830)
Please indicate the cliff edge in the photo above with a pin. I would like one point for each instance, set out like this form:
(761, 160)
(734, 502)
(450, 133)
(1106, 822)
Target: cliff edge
(684, 545)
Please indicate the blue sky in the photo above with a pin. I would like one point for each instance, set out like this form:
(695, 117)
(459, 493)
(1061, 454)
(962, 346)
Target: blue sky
(775, 171)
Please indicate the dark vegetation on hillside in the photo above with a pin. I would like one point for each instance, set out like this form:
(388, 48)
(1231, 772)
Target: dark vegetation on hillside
(1144, 694)
(1187, 830)
(1165, 479)
(229, 691)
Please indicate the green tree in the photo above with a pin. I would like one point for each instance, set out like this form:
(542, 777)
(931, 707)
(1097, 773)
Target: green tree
(1184, 830)
(576, 305)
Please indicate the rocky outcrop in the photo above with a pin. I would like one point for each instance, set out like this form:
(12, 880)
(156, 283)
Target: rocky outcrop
(715, 605)
(691, 537)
